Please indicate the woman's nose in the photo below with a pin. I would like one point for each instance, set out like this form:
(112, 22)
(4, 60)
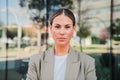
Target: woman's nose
(62, 31)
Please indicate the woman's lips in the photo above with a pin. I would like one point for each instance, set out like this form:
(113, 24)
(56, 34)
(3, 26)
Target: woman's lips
(61, 39)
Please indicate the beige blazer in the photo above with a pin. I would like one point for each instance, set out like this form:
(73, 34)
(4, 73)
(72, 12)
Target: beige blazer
(79, 66)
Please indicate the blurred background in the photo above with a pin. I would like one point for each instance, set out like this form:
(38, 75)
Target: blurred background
(24, 32)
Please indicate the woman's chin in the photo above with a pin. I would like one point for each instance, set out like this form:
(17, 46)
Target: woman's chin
(62, 44)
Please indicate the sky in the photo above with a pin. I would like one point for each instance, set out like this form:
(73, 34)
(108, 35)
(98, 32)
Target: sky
(15, 13)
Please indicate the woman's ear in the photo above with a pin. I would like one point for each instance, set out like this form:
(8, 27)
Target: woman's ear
(75, 29)
(50, 28)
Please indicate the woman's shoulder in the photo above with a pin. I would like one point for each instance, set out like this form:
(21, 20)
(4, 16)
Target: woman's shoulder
(35, 57)
(39, 55)
(85, 59)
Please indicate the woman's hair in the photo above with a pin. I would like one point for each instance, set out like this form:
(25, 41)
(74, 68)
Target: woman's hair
(66, 12)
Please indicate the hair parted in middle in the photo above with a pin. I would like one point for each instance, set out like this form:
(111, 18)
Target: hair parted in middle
(65, 12)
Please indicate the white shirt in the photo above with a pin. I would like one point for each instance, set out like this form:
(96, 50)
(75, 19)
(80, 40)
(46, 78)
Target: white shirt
(60, 67)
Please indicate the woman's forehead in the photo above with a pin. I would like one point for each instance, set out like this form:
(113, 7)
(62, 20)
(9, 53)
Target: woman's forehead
(62, 18)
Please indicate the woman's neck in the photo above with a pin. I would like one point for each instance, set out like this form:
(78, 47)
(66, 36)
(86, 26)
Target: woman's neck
(61, 50)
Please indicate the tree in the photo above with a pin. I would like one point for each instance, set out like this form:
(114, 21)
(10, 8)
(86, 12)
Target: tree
(29, 32)
(80, 13)
(12, 32)
(116, 30)
(36, 7)
(39, 11)
(0, 33)
(84, 31)
(1, 25)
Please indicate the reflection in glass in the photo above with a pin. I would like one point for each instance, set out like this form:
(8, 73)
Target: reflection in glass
(24, 32)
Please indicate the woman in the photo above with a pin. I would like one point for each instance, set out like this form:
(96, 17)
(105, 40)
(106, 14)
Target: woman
(61, 62)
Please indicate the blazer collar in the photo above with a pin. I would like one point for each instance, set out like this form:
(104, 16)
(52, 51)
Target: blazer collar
(72, 67)
(49, 56)
(47, 69)
(72, 55)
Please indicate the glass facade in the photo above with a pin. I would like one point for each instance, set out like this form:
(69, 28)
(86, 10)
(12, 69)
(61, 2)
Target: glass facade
(24, 32)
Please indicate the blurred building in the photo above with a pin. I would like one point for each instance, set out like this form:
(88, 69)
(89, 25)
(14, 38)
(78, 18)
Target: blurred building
(96, 13)
(100, 10)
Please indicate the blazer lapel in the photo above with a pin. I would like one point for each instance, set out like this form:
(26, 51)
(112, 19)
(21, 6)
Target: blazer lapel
(72, 68)
(73, 65)
(47, 70)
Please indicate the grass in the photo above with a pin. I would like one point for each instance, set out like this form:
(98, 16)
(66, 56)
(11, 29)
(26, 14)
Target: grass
(15, 49)
(91, 47)
(8, 50)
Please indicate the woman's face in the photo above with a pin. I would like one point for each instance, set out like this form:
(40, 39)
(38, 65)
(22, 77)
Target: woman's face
(62, 30)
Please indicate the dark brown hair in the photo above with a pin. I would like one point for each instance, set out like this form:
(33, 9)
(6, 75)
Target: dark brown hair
(66, 12)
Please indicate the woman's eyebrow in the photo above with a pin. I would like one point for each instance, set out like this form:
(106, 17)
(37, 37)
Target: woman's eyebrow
(68, 24)
(57, 24)
(60, 24)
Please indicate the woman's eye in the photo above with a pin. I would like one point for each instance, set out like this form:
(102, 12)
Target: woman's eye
(57, 27)
(67, 27)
